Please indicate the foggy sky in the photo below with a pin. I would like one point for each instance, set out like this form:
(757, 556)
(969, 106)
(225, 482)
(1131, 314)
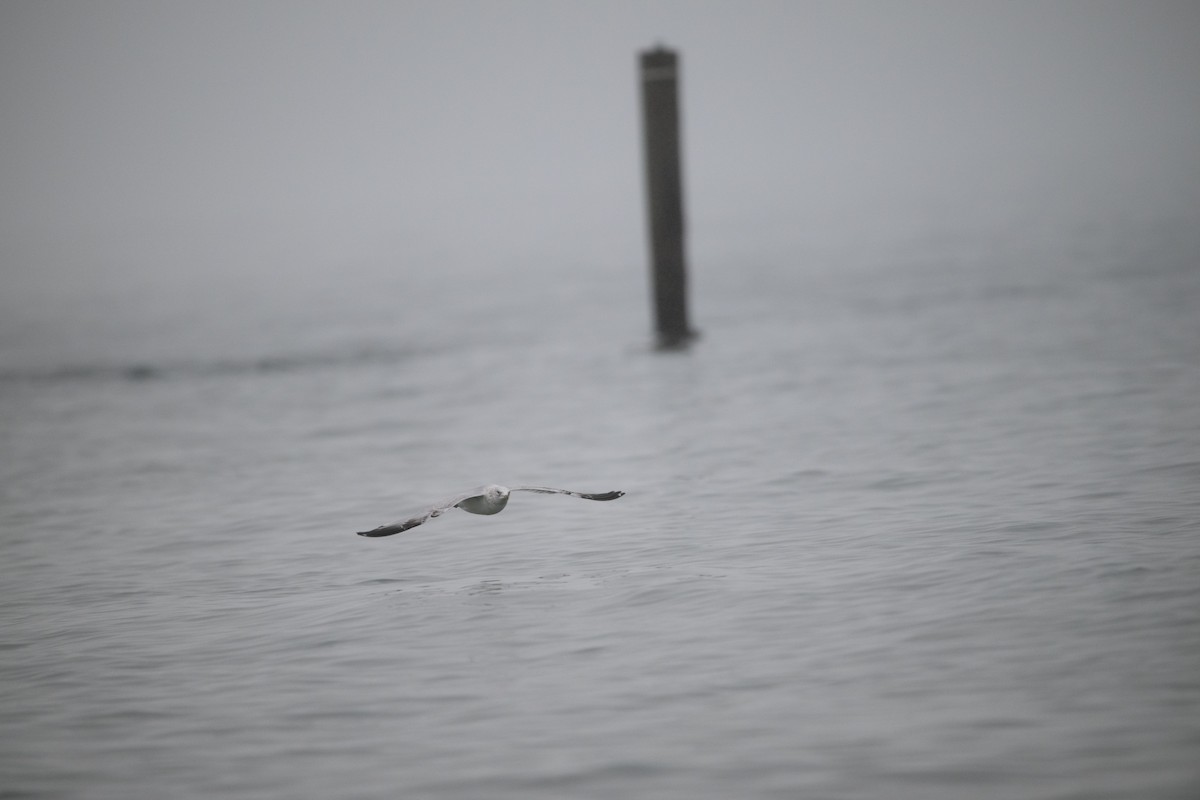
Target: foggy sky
(216, 135)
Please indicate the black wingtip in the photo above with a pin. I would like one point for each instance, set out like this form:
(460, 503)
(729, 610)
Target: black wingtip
(605, 496)
(382, 530)
(388, 530)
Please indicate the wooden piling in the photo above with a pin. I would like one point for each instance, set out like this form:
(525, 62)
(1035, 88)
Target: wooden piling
(664, 193)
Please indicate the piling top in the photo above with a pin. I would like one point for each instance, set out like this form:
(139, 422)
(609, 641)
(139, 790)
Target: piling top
(659, 63)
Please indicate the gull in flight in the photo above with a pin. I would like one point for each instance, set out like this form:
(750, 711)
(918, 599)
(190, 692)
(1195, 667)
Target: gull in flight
(489, 499)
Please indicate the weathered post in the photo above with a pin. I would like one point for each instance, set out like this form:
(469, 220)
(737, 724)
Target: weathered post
(664, 194)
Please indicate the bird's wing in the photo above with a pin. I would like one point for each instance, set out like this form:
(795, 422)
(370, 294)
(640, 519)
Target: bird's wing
(418, 519)
(400, 527)
(584, 495)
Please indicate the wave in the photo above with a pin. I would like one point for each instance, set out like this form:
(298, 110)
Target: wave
(137, 371)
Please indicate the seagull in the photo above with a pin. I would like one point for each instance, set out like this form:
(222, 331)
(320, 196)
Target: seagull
(490, 499)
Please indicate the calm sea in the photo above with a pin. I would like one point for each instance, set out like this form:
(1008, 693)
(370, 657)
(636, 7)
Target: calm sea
(917, 517)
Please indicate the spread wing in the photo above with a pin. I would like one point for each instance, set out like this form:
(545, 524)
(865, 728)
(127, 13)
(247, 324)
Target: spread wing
(437, 510)
(584, 495)
(419, 519)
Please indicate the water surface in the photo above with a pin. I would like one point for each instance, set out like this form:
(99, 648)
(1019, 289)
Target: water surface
(915, 518)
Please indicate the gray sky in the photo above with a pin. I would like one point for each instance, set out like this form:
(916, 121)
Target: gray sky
(184, 135)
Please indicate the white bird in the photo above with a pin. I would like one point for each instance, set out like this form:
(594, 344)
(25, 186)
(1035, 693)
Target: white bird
(489, 499)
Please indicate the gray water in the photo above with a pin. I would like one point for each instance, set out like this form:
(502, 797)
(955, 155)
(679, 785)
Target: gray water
(915, 518)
